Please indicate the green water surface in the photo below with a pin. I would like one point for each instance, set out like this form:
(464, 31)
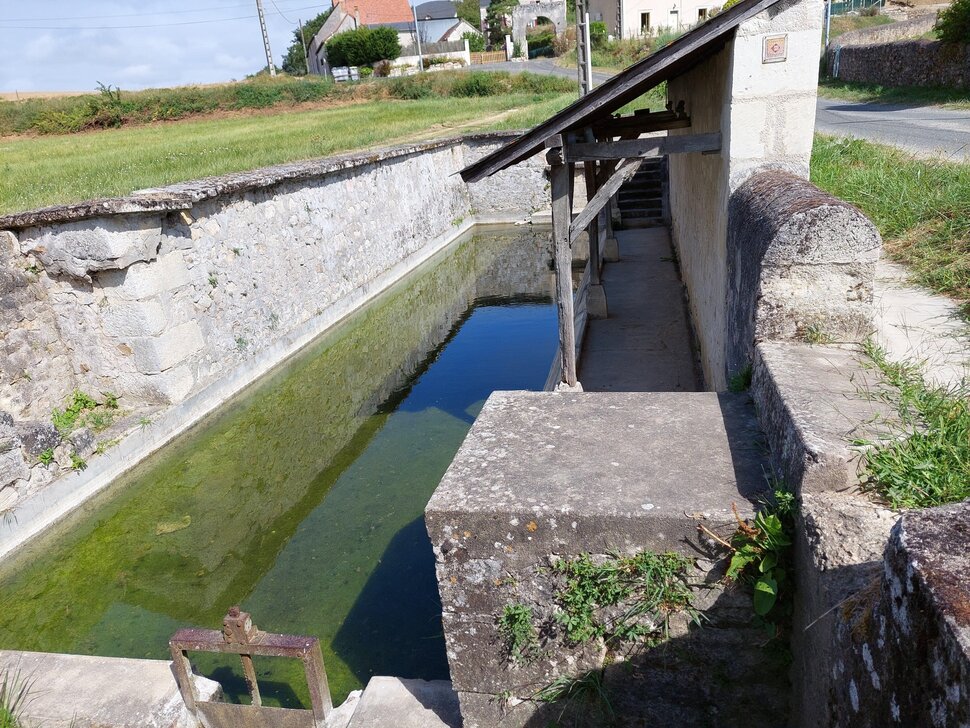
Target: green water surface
(302, 499)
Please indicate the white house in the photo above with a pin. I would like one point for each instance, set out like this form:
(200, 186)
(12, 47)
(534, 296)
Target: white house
(630, 18)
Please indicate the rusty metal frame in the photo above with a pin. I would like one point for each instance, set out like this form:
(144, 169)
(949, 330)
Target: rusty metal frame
(240, 636)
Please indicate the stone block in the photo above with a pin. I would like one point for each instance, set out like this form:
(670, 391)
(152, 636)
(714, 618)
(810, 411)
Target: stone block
(407, 704)
(796, 258)
(159, 353)
(814, 401)
(144, 280)
(544, 475)
(38, 436)
(905, 640)
(134, 318)
(80, 248)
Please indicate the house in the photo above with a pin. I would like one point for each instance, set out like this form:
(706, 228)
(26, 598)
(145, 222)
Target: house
(351, 14)
(630, 18)
(438, 21)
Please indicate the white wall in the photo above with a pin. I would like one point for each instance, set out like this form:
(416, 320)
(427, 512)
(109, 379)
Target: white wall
(766, 114)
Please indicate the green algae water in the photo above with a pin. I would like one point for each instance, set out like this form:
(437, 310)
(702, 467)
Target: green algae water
(302, 499)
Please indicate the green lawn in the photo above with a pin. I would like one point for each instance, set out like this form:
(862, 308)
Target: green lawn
(921, 207)
(46, 170)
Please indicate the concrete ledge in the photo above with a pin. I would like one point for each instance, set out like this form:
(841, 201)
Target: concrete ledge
(407, 704)
(79, 691)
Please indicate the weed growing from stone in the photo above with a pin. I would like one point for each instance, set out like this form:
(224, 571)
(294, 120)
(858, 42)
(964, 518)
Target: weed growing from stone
(47, 456)
(516, 628)
(106, 445)
(648, 588)
(14, 697)
(67, 419)
(816, 335)
(740, 382)
(587, 689)
(77, 462)
(925, 461)
(762, 551)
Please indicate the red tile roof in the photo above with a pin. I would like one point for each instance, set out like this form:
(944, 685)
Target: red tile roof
(375, 12)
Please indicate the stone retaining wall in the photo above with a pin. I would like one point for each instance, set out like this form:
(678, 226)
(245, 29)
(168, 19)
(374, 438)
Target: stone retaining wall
(165, 295)
(887, 33)
(903, 63)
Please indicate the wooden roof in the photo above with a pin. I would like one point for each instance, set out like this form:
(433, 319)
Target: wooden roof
(669, 62)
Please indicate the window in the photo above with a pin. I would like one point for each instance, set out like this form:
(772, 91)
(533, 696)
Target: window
(644, 22)
(702, 14)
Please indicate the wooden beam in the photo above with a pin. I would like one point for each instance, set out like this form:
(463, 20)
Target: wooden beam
(659, 146)
(559, 179)
(592, 229)
(622, 125)
(624, 170)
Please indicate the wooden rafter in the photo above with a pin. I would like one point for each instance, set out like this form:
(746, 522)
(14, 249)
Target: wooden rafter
(643, 148)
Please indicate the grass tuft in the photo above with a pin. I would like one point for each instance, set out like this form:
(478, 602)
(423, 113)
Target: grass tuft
(649, 588)
(925, 459)
(14, 698)
(516, 628)
(921, 207)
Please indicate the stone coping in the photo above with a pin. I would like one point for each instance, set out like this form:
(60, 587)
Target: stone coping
(184, 195)
(601, 468)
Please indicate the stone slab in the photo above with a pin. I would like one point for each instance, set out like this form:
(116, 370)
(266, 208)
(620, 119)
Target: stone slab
(543, 470)
(388, 701)
(814, 401)
(81, 691)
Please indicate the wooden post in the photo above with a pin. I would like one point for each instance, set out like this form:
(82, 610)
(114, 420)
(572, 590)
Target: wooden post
(592, 230)
(560, 182)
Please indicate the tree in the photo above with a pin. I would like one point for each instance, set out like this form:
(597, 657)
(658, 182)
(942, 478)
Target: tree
(495, 19)
(953, 24)
(468, 10)
(476, 41)
(363, 46)
(294, 60)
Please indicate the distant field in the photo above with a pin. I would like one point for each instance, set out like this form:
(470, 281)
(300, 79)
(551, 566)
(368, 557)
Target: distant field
(844, 23)
(47, 170)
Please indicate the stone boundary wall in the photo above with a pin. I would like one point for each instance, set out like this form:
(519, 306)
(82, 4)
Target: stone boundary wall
(799, 261)
(176, 298)
(903, 63)
(887, 33)
(907, 638)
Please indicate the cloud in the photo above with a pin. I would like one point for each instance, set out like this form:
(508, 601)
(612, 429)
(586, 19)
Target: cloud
(163, 55)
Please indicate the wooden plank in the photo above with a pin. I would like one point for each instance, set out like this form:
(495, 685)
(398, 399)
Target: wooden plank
(686, 51)
(559, 179)
(619, 126)
(624, 170)
(643, 148)
(594, 238)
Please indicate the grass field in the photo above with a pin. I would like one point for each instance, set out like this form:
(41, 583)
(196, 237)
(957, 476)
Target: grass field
(921, 207)
(845, 23)
(40, 170)
(918, 95)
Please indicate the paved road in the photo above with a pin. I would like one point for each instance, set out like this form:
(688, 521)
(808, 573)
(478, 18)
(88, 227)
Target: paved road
(925, 130)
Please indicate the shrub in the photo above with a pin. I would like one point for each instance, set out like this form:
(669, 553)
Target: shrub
(597, 33)
(363, 46)
(476, 41)
(410, 88)
(953, 25)
(256, 96)
(477, 83)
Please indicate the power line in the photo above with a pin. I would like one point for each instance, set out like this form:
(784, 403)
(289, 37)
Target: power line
(134, 27)
(281, 13)
(132, 15)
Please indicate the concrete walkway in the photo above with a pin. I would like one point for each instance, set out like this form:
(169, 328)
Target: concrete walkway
(645, 344)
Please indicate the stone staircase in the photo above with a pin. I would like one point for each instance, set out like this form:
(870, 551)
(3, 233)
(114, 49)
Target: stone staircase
(392, 701)
(641, 197)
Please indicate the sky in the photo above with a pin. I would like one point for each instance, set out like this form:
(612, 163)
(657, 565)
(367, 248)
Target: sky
(72, 45)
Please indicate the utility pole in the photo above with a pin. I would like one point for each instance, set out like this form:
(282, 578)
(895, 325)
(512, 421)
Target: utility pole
(306, 51)
(584, 63)
(417, 37)
(262, 27)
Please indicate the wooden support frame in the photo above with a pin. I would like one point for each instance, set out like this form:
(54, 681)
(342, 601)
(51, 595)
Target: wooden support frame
(619, 126)
(642, 148)
(561, 216)
(624, 171)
